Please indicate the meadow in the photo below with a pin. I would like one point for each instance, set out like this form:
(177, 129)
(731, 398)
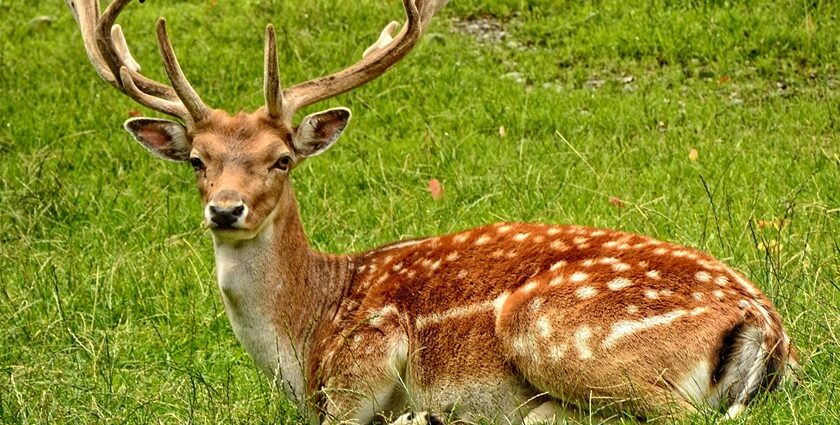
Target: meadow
(709, 123)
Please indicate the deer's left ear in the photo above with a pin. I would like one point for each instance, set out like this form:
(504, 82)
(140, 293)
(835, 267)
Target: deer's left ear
(318, 131)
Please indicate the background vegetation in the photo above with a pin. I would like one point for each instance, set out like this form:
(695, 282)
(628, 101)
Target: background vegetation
(710, 123)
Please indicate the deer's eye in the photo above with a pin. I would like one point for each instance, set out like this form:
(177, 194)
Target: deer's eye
(196, 163)
(283, 163)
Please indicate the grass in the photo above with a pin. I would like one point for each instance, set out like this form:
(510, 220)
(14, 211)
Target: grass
(108, 305)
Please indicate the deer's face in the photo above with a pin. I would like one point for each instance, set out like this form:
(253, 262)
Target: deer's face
(242, 162)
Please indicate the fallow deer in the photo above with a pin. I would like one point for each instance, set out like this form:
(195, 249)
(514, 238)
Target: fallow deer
(512, 322)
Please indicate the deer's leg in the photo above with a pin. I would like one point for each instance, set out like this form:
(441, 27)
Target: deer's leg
(362, 373)
(550, 412)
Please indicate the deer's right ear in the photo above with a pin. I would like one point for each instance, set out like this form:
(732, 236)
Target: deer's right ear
(164, 138)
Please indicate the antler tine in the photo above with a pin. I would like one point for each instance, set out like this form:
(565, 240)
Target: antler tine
(174, 108)
(377, 59)
(197, 109)
(110, 53)
(122, 49)
(271, 85)
(86, 14)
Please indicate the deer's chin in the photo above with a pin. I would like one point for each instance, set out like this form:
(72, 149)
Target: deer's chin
(234, 234)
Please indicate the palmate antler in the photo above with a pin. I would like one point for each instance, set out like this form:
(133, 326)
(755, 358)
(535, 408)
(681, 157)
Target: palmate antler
(110, 56)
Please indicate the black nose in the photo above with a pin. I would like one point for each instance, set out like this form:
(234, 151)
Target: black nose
(224, 217)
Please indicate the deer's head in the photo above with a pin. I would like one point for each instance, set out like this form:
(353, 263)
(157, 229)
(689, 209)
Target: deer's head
(242, 162)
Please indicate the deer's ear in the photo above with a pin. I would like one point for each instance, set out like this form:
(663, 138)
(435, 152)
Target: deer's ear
(164, 138)
(318, 131)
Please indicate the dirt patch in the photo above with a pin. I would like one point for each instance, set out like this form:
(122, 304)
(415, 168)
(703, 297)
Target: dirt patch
(484, 30)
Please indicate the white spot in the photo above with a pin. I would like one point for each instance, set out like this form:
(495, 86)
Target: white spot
(557, 265)
(652, 274)
(660, 251)
(557, 352)
(585, 292)
(696, 311)
(632, 309)
(556, 280)
(559, 245)
(382, 278)
(455, 313)
(608, 260)
(411, 273)
(519, 237)
(680, 253)
(544, 327)
(620, 267)
(697, 296)
(498, 253)
(578, 240)
(452, 256)
(462, 274)
(651, 294)
(535, 304)
(582, 336)
(461, 237)
(624, 328)
(718, 294)
(482, 240)
(643, 264)
(530, 286)
(539, 239)
(598, 233)
(397, 267)
(504, 228)
(743, 304)
(610, 244)
(426, 262)
(387, 259)
(666, 292)
(721, 280)
(703, 276)
(511, 254)
(552, 231)
(619, 283)
(578, 277)
(361, 268)
(400, 245)
(588, 263)
(435, 265)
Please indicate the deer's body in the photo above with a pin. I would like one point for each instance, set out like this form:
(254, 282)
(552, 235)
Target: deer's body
(495, 321)
(508, 322)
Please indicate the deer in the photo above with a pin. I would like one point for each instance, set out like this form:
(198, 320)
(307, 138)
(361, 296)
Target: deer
(509, 322)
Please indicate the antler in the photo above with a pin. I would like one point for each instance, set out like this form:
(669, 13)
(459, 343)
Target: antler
(380, 56)
(109, 54)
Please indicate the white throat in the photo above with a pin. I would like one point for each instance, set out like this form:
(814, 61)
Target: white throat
(248, 294)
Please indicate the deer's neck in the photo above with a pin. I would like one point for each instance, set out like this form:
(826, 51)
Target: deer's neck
(276, 290)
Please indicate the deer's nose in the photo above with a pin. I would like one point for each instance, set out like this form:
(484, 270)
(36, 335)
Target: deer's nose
(226, 209)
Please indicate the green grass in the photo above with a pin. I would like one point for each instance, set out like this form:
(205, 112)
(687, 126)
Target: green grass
(109, 310)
